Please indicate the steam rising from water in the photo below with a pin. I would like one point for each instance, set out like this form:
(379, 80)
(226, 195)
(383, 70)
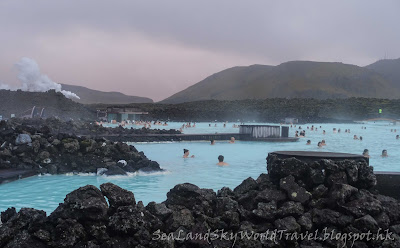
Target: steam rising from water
(32, 80)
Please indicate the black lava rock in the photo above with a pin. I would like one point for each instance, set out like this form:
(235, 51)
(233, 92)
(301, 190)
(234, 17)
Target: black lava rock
(298, 199)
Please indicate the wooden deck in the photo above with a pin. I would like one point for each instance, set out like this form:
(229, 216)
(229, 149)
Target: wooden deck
(9, 175)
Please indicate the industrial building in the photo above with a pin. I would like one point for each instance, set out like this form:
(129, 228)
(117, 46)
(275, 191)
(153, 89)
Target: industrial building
(120, 114)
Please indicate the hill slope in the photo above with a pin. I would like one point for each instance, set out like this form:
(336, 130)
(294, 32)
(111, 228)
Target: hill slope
(296, 79)
(89, 96)
(21, 103)
(390, 68)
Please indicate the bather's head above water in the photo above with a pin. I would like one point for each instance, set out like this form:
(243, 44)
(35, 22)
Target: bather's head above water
(365, 153)
(221, 160)
(186, 153)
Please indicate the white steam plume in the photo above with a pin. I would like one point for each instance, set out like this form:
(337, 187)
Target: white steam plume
(4, 86)
(32, 80)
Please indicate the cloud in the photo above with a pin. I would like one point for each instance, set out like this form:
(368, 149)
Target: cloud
(205, 36)
(130, 63)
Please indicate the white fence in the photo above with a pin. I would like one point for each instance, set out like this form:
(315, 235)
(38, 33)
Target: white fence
(258, 131)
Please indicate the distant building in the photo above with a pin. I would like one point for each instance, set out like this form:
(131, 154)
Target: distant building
(102, 114)
(291, 120)
(264, 131)
(120, 114)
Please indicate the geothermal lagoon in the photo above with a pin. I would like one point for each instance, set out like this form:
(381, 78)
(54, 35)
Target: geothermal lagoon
(245, 158)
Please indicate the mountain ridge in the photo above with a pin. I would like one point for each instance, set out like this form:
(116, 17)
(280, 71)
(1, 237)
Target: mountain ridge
(390, 68)
(91, 96)
(292, 79)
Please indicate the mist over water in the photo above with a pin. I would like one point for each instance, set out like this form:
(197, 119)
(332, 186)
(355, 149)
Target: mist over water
(245, 158)
(32, 80)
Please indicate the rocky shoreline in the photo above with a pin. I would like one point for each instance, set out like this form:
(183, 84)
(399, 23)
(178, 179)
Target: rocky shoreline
(82, 128)
(52, 146)
(294, 197)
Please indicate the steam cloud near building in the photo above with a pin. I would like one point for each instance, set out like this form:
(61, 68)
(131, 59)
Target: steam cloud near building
(32, 80)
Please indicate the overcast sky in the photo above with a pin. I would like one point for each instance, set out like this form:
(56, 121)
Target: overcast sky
(157, 48)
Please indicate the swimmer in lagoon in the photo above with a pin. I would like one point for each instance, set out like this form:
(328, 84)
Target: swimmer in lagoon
(361, 138)
(186, 154)
(320, 144)
(397, 136)
(232, 140)
(308, 142)
(323, 143)
(384, 154)
(355, 137)
(365, 153)
(221, 161)
(212, 142)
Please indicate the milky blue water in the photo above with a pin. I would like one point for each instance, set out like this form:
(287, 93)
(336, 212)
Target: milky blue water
(246, 159)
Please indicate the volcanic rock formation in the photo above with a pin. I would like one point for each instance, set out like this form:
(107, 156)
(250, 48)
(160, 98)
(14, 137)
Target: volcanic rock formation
(52, 146)
(318, 199)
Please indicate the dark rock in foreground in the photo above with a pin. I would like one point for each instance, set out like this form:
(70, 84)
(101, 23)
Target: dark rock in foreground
(52, 146)
(324, 198)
